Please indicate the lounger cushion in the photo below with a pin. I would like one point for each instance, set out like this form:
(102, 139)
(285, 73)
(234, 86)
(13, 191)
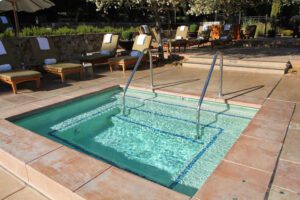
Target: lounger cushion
(135, 53)
(122, 59)
(93, 57)
(20, 74)
(105, 52)
(178, 42)
(60, 67)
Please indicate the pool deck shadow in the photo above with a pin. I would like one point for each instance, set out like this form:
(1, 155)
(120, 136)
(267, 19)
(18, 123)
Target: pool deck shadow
(62, 173)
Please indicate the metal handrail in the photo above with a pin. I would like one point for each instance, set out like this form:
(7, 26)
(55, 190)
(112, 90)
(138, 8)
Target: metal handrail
(137, 64)
(217, 54)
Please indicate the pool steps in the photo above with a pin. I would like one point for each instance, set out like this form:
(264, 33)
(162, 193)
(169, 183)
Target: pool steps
(247, 65)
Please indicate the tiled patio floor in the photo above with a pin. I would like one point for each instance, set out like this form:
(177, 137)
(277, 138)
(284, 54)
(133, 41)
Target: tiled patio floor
(286, 183)
(11, 188)
(238, 86)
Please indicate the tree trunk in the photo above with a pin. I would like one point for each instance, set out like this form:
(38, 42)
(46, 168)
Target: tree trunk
(160, 43)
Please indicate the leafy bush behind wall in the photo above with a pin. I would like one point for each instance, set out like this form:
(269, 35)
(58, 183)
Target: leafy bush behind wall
(82, 29)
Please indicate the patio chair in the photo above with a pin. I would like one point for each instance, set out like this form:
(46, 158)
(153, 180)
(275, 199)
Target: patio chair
(250, 31)
(225, 36)
(9, 73)
(4, 23)
(180, 39)
(108, 50)
(145, 29)
(45, 53)
(141, 43)
(203, 36)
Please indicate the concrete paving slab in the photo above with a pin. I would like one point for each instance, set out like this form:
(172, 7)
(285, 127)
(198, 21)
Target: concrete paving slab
(116, 184)
(288, 176)
(255, 153)
(288, 89)
(9, 184)
(27, 194)
(291, 147)
(231, 181)
(60, 172)
(277, 193)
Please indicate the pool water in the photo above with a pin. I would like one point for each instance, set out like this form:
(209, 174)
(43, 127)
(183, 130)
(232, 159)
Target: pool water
(156, 137)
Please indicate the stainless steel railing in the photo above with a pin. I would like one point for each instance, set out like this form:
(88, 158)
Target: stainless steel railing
(137, 64)
(217, 54)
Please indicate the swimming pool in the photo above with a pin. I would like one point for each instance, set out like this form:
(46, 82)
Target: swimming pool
(156, 138)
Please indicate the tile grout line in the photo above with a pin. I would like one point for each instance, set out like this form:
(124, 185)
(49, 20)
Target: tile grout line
(287, 189)
(275, 86)
(13, 175)
(15, 192)
(247, 166)
(280, 100)
(278, 158)
(31, 161)
(262, 139)
(93, 178)
(290, 161)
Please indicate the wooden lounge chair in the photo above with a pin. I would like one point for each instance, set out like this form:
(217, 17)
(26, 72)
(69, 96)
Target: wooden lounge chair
(4, 23)
(203, 36)
(180, 39)
(145, 29)
(108, 50)
(47, 56)
(132, 58)
(9, 72)
(225, 36)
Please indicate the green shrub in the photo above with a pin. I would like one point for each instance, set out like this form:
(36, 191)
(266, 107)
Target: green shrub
(7, 33)
(36, 31)
(64, 31)
(286, 32)
(126, 35)
(82, 29)
(193, 28)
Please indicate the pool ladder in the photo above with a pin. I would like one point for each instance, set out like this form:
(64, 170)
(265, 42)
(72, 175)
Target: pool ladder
(217, 54)
(137, 64)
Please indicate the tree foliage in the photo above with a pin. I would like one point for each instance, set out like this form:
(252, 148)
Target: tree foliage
(195, 7)
(157, 5)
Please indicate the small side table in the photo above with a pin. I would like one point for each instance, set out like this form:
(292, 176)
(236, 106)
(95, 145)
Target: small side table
(88, 70)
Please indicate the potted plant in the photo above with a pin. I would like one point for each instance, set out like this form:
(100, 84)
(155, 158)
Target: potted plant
(126, 41)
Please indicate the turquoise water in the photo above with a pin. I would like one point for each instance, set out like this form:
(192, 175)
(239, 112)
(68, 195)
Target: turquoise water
(155, 138)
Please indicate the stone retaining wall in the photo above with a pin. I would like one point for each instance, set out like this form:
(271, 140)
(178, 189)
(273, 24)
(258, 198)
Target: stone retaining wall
(69, 47)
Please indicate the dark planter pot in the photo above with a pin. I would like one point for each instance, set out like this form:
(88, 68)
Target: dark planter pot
(192, 34)
(271, 34)
(126, 44)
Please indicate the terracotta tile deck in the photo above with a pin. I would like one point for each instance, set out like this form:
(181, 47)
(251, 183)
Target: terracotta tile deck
(26, 194)
(64, 168)
(231, 181)
(282, 194)
(19, 146)
(255, 153)
(291, 146)
(288, 176)
(117, 184)
(11, 188)
(9, 184)
(58, 171)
